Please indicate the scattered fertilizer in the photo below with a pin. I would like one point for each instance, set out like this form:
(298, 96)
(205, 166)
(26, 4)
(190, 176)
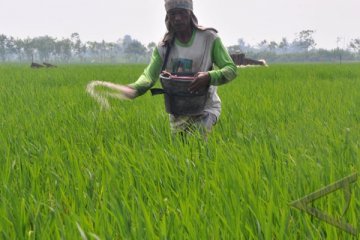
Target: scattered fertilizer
(111, 90)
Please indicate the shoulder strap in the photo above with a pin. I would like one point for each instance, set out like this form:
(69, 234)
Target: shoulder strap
(168, 48)
(156, 91)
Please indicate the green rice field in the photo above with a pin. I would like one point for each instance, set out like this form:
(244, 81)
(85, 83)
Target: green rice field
(71, 170)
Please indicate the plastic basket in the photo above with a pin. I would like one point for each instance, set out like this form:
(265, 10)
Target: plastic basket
(178, 99)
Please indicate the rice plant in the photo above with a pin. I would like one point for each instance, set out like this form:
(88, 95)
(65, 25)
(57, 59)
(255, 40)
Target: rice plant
(72, 170)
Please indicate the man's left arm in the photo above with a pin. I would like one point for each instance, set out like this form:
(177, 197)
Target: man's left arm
(226, 67)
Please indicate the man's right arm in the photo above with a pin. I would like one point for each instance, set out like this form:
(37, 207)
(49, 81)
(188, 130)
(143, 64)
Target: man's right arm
(150, 75)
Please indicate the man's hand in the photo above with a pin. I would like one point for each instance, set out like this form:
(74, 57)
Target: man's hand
(202, 80)
(124, 91)
(166, 74)
(129, 92)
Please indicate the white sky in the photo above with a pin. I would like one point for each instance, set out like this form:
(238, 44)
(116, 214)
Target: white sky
(252, 20)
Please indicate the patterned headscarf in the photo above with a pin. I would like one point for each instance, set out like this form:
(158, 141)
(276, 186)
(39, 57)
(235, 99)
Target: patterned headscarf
(184, 4)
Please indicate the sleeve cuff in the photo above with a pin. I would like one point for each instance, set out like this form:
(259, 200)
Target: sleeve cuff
(214, 77)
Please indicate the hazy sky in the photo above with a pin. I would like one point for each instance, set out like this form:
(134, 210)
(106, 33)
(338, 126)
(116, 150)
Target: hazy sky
(252, 20)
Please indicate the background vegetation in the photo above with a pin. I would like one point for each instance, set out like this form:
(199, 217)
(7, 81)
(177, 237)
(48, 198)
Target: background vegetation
(129, 50)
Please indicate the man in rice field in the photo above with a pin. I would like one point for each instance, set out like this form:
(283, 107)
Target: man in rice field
(190, 48)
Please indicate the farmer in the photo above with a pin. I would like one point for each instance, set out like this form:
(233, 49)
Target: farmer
(191, 48)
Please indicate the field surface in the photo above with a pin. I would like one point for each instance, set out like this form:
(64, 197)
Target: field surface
(71, 170)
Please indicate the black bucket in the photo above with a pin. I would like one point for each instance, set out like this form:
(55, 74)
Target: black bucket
(178, 99)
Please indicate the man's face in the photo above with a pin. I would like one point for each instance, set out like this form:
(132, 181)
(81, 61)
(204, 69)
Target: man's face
(180, 19)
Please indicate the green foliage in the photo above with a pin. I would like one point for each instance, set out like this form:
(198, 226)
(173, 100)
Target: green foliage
(71, 171)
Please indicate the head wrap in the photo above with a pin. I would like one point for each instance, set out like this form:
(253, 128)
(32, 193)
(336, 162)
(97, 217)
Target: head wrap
(184, 4)
(169, 35)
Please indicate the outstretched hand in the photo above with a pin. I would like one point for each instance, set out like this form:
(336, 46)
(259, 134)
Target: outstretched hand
(202, 80)
(118, 91)
(129, 92)
(126, 91)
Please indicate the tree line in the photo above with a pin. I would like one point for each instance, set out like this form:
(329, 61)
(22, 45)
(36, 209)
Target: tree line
(129, 50)
(73, 49)
(302, 48)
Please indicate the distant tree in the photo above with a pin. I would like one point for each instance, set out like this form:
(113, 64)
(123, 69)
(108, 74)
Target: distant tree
(102, 46)
(28, 48)
(263, 45)
(78, 47)
(3, 47)
(110, 50)
(94, 50)
(338, 50)
(305, 40)
(119, 45)
(63, 49)
(272, 46)
(19, 48)
(126, 41)
(283, 45)
(133, 49)
(355, 45)
(45, 47)
(11, 48)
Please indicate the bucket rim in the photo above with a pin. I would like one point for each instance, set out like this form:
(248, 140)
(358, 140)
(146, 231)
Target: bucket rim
(178, 77)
